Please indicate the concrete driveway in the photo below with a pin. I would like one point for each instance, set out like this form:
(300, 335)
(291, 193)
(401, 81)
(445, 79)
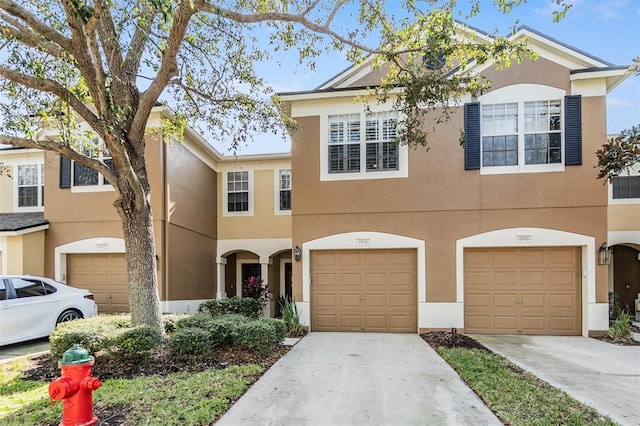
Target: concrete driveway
(360, 379)
(600, 374)
(25, 348)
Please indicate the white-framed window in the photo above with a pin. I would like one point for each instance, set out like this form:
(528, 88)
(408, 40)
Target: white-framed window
(238, 192)
(84, 178)
(30, 187)
(522, 129)
(625, 189)
(284, 190)
(362, 146)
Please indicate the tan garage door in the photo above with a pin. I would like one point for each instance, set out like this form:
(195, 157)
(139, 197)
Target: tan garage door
(364, 290)
(522, 291)
(105, 275)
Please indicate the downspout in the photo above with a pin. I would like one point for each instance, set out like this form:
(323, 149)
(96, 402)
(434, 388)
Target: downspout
(165, 222)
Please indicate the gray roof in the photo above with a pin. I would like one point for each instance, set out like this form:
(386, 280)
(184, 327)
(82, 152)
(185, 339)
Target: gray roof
(21, 221)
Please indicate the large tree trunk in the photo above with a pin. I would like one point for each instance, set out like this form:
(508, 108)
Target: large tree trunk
(137, 224)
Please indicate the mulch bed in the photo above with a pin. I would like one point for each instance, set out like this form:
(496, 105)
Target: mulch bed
(450, 339)
(43, 368)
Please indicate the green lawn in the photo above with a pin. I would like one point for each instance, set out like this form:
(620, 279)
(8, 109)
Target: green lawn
(515, 396)
(175, 399)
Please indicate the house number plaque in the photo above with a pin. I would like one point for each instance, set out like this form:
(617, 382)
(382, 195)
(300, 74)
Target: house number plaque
(363, 242)
(524, 239)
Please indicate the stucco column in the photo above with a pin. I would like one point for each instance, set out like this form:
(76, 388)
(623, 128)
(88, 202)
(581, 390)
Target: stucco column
(221, 263)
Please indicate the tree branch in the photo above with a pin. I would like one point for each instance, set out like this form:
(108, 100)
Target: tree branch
(52, 87)
(30, 38)
(64, 149)
(44, 30)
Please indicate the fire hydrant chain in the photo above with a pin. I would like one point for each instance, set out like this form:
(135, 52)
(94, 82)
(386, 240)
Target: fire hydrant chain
(75, 388)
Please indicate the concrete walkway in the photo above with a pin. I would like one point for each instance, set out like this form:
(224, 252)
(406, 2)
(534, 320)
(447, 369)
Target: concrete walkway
(360, 379)
(600, 374)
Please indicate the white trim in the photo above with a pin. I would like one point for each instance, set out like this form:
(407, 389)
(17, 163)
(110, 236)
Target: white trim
(239, 263)
(3, 252)
(263, 247)
(623, 237)
(24, 231)
(441, 315)
(89, 245)
(225, 193)
(181, 306)
(16, 197)
(105, 187)
(283, 262)
(355, 240)
(540, 237)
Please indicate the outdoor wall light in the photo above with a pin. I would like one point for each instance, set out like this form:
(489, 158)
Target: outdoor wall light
(604, 255)
(296, 253)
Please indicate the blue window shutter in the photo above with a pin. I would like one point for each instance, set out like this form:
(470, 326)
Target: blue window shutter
(472, 136)
(573, 130)
(65, 172)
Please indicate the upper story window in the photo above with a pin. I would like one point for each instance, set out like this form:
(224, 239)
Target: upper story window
(284, 190)
(626, 187)
(519, 133)
(362, 146)
(523, 128)
(238, 191)
(30, 186)
(85, 176)
(347, 142)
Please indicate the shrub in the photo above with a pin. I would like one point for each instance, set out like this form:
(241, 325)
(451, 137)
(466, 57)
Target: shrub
(170, 321)
(246, 306)
(201, 320)
(621, 328)
(261, 336)
(133, 344)
(189, 341)
(90, 333)
(222, 328)
(291, 316)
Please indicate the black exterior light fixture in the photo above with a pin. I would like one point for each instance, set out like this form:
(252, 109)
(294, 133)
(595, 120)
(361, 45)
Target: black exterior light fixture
(297, 253)
(604, 255)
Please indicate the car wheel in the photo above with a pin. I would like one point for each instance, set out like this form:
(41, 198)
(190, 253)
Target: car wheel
(68, 315)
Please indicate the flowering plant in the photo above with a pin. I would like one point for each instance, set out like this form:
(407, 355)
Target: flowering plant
(255, 288)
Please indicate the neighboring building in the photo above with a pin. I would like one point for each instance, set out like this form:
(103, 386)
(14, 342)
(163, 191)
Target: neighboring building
(22, 222)
(499, 237)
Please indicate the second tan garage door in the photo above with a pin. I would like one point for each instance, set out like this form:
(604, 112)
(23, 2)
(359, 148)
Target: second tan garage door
(364, 290)
(105, 275)
(522, 291)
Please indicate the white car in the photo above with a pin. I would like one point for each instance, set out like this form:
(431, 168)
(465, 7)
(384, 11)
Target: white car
(30, 307)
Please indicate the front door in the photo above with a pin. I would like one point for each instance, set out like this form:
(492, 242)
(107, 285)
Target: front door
(249, 270)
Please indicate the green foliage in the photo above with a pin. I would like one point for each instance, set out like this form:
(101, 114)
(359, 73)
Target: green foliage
(90, 333)
(189, 341)
(170, 321)
(200, 320)
(515, 396)
(246, 306)
(132, 344)
(291, 316)
(222, 328)
(619, 154)
(261, 336)
(621, 328)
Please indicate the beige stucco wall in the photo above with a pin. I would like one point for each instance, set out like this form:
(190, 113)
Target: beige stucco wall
(440, 202)
(11, 158)
(623, 217)
(264, 222)
(25, 254)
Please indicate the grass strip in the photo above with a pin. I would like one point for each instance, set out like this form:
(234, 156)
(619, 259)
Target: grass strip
(516, 396)
(175, 399)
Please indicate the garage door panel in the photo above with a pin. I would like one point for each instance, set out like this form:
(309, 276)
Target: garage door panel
(505, 300)
(534, 323)
(558, 279)
(375, 279)
(401, 300)
(376, 290)
(533, 278)
(543, 299)
(533, 300)
(505, 323)
(325, 280)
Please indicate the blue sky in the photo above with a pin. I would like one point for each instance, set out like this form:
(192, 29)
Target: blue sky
(607, 29)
